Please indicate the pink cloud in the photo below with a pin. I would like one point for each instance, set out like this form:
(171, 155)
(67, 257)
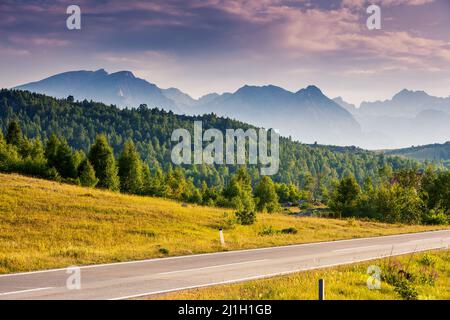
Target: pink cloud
(14, 52)
(361, 3)
(39, 41)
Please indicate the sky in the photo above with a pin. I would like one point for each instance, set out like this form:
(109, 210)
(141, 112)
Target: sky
(204, 46)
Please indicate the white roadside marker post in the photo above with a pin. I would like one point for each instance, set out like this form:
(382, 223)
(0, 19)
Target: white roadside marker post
(222, 240)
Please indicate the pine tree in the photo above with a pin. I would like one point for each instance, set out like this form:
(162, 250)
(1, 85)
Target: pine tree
(267, 196)
(240, 196)
(130, 169)
(245, 213)
(146, 180)
(102, 159)
(87, 174)
(65, 161)
(159, 183)
(51, 150)
(14, 135)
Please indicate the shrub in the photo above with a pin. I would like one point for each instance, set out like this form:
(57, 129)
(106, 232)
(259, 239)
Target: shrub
(428, 276)
(164, 251)
(436, 217)
(245, 217)
(427, 260)
(394, 272)
(228, 222)
(406, 289)
(305, 205)
(290, 230)
(267, 231)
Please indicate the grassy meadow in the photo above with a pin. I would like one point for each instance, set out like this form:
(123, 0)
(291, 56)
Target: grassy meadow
(429, 280)
(46, 224)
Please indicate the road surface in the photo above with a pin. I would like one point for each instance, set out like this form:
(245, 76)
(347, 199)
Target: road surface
(148, 277)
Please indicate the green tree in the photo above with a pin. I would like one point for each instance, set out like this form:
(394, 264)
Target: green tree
(157, 184)
(146, 179)
(287, 192)
(344, 198)
(240, 196)
(14, 134)
(267, 198)
(87, 174)
(65, 161)
(130, 169)
(51, 151)
(245, 213)
(398, 204)
(437, 190)
(102, 159)
(366, 201)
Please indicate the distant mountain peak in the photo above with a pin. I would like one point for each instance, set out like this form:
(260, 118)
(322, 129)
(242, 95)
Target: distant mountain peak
(405, 93)
(310, 90)
(101, 71)
(120, 88)
(270, 87)
(126, 74)
(313, 88)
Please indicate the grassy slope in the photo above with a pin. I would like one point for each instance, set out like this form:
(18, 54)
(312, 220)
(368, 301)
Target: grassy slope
(344, 282)
(45, 224)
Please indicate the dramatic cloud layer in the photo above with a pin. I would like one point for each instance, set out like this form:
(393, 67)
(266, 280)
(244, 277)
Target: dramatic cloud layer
(219, 45)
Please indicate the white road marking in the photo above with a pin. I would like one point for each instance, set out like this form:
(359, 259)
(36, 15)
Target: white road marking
(264, 276)
(211, 267)
(24, 291)
(363, 248)
(220, 253)
(424, 241)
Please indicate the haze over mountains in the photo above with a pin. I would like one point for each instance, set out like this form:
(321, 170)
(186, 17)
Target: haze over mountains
(410, 118)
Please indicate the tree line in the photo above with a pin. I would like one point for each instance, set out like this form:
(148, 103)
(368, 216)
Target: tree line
(308, 167)
(59, 139)
(407, 196)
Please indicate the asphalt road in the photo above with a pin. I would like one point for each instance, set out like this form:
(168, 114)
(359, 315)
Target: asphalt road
(143, 278)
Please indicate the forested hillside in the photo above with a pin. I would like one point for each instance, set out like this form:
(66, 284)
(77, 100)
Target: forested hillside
(306, 166)
(432, 152)
(68, 141)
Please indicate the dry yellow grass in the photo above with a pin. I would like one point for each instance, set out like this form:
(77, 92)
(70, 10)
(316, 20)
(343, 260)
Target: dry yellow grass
(341, 283)
(45, 224)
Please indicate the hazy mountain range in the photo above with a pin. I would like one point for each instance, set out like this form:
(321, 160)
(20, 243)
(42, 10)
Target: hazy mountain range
(119, 88)
(410, 118)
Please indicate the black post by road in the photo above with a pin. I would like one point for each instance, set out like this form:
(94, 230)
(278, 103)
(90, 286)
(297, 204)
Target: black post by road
(321, 289)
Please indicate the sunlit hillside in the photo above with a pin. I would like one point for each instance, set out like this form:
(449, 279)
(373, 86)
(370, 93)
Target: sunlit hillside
(46, 224)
